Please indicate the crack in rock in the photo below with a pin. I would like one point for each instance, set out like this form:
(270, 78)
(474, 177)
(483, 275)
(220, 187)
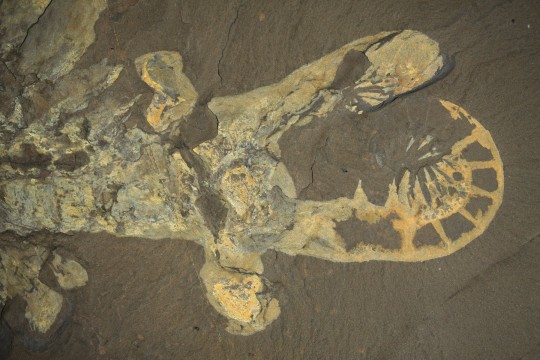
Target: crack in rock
(227, 41)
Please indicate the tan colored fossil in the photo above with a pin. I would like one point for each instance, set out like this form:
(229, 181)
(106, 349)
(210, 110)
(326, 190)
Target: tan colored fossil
(20, 267)
(139, 185)
(263, 212)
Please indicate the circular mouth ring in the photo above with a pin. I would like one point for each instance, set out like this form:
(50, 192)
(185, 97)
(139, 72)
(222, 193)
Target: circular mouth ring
(408, 209)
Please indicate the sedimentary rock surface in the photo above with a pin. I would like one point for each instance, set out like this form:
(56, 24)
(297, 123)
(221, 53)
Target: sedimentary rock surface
(303, 166)
(68, 167)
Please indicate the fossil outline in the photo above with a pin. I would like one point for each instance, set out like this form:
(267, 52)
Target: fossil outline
(151, 189)
(232, 274)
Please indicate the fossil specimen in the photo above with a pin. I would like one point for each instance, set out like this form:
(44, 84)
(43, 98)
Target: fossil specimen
(69, 167)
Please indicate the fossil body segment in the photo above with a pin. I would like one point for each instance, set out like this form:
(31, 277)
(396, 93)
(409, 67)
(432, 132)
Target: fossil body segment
(400, 64)
(162, 71)
(441, 175)
(20, 267)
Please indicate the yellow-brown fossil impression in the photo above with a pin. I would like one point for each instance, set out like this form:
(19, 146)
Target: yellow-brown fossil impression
(439, 184)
